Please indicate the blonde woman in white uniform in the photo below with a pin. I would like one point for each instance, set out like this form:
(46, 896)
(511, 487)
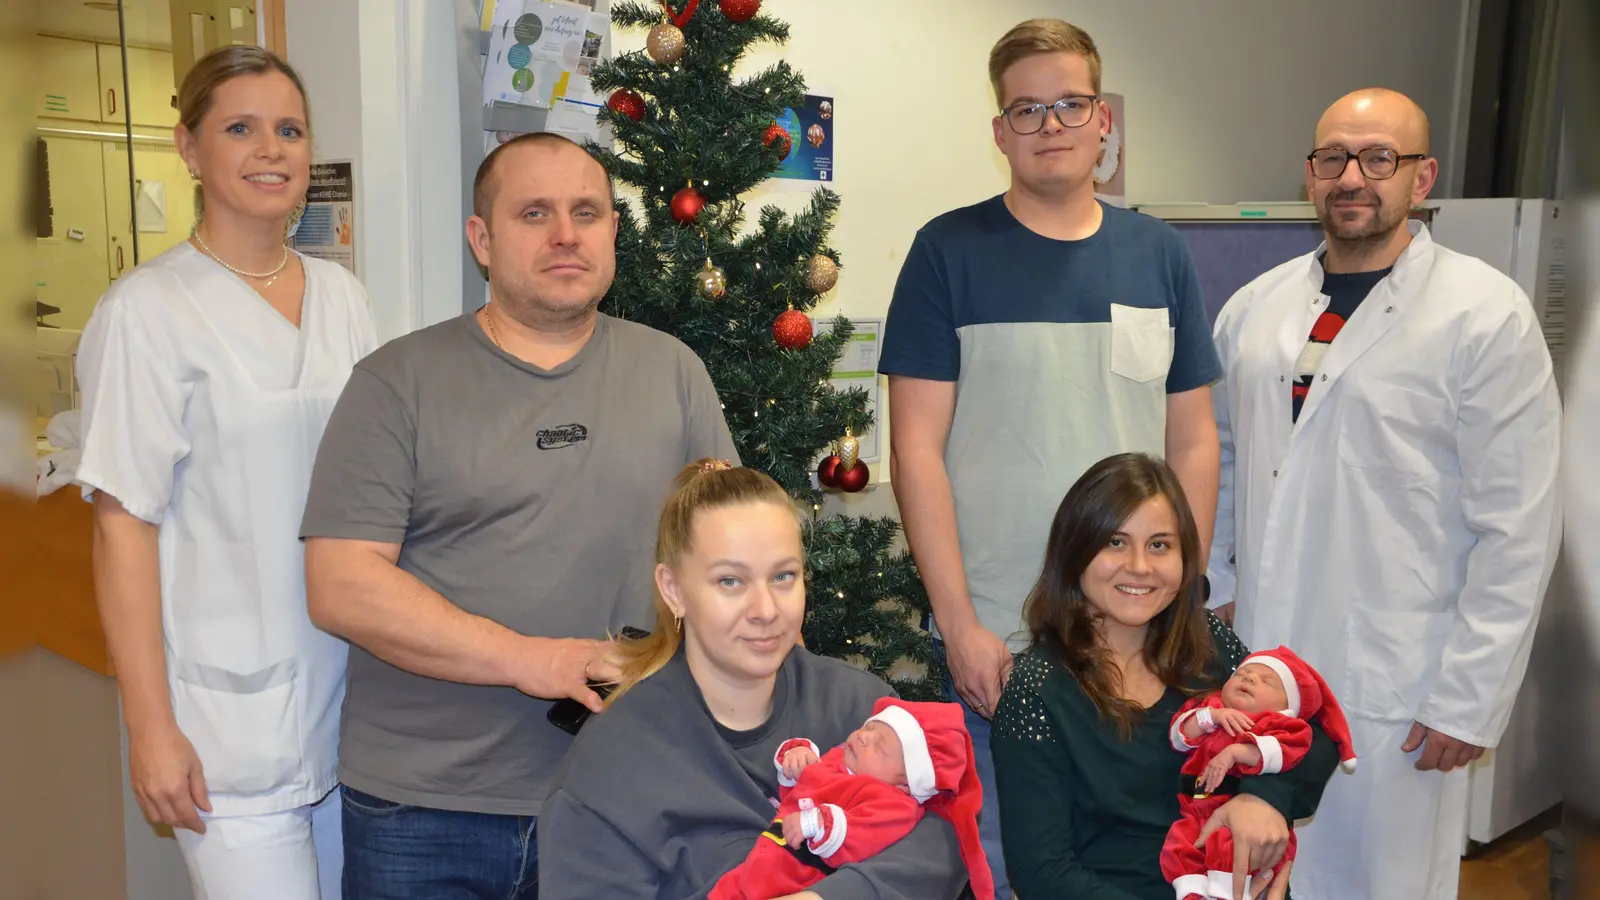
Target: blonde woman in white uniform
(208, 374)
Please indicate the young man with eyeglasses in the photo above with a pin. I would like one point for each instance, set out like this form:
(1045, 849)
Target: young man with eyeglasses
(1030, 336)
(1390, 430)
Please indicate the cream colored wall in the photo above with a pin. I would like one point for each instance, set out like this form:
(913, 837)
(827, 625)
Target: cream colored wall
(1221, 101)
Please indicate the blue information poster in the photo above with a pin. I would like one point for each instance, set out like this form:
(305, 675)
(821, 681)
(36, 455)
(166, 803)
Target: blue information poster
(326, 229)
(810, 139)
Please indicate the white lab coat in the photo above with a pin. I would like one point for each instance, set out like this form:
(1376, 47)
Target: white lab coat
(203, 408)
(1399, 536)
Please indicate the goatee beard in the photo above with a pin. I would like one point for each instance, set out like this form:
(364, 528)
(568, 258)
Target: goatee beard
(1381, 228)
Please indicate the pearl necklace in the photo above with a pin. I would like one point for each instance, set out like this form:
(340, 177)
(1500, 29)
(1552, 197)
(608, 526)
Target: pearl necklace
(270, 276)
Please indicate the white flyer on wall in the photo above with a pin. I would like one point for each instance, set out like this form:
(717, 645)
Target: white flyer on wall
(540, 53)
(858, 367)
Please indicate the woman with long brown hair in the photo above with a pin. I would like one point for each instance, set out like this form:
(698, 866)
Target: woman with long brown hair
(1086, 772)
(672, 786)
(208, 374)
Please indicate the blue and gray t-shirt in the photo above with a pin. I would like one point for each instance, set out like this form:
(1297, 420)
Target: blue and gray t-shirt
(1063, 353)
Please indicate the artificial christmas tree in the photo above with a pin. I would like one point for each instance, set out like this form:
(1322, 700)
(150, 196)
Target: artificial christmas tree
(699, 140)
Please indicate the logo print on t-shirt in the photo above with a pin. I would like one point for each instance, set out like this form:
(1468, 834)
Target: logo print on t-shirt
(563, 436)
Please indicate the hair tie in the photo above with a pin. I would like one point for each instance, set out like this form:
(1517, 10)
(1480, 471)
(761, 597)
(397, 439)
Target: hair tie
(715, 465)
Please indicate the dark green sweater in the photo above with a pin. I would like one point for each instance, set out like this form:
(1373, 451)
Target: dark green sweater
(1084, 813)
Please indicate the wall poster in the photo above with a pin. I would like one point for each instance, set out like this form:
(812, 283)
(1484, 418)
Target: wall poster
(326, 229)
(810, 140)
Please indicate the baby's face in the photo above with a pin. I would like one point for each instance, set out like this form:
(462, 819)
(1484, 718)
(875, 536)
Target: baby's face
(874, 750)
(1254, 688)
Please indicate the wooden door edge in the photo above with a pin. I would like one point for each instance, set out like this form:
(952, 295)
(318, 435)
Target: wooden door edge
(272, 18)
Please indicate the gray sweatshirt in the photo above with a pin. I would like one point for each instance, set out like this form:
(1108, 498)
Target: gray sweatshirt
(656, 800)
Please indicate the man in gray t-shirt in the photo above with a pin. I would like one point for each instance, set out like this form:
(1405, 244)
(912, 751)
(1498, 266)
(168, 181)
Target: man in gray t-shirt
(482, 515)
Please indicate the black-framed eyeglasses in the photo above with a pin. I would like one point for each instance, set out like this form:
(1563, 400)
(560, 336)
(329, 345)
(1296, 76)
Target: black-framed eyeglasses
(1071, 112)
(1377, 163)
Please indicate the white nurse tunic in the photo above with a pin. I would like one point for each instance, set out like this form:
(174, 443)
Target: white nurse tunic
(202, 411)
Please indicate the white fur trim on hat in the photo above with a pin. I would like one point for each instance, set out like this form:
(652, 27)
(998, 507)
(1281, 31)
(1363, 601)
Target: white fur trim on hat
(1291, 688)
(914, 743)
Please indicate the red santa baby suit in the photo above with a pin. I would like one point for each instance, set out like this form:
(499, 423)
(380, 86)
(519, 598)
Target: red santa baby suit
(849, 817)
(1283, 737)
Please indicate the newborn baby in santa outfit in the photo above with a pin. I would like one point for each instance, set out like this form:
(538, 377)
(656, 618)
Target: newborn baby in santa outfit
(1255, 725)
(864, 795)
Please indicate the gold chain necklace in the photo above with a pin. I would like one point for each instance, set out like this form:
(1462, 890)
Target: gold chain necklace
(270, 276)
(494, 333)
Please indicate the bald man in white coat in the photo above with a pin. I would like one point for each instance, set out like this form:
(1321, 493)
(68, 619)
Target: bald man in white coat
(1390, 432)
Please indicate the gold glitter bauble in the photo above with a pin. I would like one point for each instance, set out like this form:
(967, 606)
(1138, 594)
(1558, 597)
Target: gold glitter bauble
(822, 274)
(666, 44)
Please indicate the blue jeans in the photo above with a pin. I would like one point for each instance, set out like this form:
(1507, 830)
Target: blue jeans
(398, 852)
(989, 816)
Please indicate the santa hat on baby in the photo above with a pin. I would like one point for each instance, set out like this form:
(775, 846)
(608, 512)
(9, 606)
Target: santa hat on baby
(1309, 697)
(942, 773)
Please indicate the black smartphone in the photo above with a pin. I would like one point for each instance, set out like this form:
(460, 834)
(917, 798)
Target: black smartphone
(568, 714)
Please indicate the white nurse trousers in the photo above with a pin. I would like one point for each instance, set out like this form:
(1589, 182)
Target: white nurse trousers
(292, 855)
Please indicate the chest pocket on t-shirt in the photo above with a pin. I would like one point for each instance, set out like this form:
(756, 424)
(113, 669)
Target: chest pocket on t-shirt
(1141, 342)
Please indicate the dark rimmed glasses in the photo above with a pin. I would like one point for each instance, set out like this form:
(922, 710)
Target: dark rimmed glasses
(1029, 118)
(1377, 163)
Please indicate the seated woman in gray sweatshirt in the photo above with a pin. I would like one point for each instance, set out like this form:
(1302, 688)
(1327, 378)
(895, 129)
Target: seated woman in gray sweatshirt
(672, 785)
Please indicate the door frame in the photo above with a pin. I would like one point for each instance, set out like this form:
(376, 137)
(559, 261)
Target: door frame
(270, 21)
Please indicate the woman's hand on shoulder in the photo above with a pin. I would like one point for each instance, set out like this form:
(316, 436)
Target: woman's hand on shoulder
(1260, 836)
(803, 895)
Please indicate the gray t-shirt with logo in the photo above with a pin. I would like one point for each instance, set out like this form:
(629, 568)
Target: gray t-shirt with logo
(526, 496)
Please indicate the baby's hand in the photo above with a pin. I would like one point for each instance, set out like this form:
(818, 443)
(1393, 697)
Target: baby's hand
(793, 834)
(795, 762)
(1234, 722)
(1215, 771)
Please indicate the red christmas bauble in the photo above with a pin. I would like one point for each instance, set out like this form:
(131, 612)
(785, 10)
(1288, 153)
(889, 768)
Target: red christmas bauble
(854, 478)
(686, 205)
(740, 10)
(778, 135)
(828, 472)
(627, 103)
(792, 330)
